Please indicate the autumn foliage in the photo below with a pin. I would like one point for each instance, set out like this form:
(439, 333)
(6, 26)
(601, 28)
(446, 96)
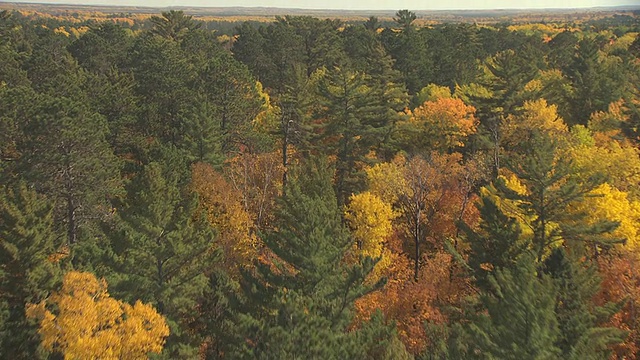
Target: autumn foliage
(224, 207)
(85, 323)
(301, 187)
(441, 124)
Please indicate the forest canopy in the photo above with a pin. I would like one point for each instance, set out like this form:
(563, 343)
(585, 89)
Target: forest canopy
(176, 187)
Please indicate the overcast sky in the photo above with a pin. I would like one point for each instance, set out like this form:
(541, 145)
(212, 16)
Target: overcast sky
(360, 4)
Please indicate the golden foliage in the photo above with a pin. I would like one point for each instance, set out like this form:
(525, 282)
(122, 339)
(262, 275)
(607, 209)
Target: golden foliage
(536, 115)
(607, 124)
(61, 30)
(370, 220)
(441, 187)
(88, 324)
(607, 202)
(600, 153)
(386, 180)
(225, 212)
(441, 124)
(258, 179)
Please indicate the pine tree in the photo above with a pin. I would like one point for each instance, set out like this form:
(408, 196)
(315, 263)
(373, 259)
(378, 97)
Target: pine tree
(173, 24)
(354, 122)
(162, 248)
(300, 306)
(551, 186)
(495, 246)
(597, 81)
(76, 168)
(28, 269)
(163, 83)
(520, 322)
(232, 96)
(577, 283)
(203, 138)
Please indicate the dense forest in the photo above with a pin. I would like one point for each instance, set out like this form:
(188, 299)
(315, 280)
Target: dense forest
(308, 188)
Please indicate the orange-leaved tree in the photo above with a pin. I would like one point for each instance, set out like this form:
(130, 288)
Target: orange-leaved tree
(442, 124)
(621, 284)
(428, 196)
(85, 323)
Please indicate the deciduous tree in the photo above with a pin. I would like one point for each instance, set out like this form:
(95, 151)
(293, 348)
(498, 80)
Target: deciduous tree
(86, 322)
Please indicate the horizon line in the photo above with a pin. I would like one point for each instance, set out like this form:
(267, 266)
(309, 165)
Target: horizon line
(62, 3)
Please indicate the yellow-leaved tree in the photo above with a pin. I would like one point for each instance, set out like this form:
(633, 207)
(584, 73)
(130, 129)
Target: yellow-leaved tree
(85, 323)
(370, 220)
(536, 116)
(223, 204)
(610, 203)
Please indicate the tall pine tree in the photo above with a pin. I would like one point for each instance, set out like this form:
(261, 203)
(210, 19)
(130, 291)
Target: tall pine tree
(578, 318)
(163, 248)
(28, 268)
(300, 305)
(519, 322)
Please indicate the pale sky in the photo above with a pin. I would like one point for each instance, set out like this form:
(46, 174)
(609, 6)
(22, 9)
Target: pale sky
(359, 4)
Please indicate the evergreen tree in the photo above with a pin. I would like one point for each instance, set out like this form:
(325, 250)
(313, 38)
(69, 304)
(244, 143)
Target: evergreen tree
(284, 60)
(580, 335)
(295, 126)
(354, 122)
(76, 168)
(163, 248)
(301, 305)
(551, 187)
(457, 51)
(597, 81)
(496, 245)
(28, 267)
(202, 139)
(520, 322)
(173, 24)
(322, 44)
(249, 49)
(409, 50)
(102, 48)
(562, 48)
(232, 99)
(163, 77)
(405, 18)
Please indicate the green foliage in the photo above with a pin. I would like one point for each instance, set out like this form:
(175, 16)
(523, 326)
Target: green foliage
(232, 97)
(301, 305)
(551, 187)
(91, 105)
(162, 74)
(203, 137)
(354, 121)
(28, 267)
(413, 59)
(76, 168)
(173, 24)
(457, 53)
(520, 322)
(496, 245)
(597, 79)
(405, 18)
(162, 248)
(102, 48)
(580, 337)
